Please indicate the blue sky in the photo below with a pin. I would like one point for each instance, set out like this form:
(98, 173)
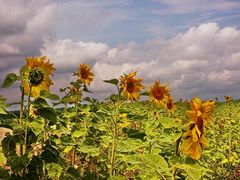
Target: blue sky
(138, 20)
(193, 45)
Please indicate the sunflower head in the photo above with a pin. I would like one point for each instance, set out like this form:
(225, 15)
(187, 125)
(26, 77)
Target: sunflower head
(193, 142)
(130, 86)
(201, 111)
(85, 74)
(228, 98)
(159, 94)
(171, 105)
(74, 90)
(33, 112)
(37, 71)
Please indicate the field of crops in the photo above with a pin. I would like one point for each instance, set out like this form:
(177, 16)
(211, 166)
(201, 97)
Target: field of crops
(72, 136)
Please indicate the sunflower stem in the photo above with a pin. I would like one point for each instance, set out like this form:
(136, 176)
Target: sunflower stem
(28, 112)
(20, 117)
(112, 161)
(21, 108)
(114, 141)
(44, 131)
(174, 170)
(73, 158)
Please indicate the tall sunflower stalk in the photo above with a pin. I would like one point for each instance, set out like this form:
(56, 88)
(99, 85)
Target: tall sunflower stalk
(36, 77)
(85, 77)
(130, 88)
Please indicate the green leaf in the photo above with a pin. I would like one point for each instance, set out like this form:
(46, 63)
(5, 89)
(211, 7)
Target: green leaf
(74, 173)
(67, 149)
(3, 160)
(48, 95)
(3, 173)
(112, 81)
(190, 166)
(40, 102)
(168, 122)
(48, 113)
(130, 145)
(117, 178)
(79, 133)
(37, 125)
(66, 99)
(3, 105)
(9, 80)
(147, 163)
(86, 89)
(54, 170)
(90, 150)
(17, 163)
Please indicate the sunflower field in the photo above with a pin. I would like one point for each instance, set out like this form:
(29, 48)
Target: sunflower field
(72, 136)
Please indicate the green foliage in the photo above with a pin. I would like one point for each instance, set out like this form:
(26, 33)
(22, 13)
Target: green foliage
(112, 81)
(48, 95)
(116, 139)
(54, 170)
(9, 80)
(3, 105)
(48, 113)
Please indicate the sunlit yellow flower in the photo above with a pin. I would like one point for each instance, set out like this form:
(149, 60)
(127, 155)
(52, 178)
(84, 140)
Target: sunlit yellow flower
(74, 90)
(85, 74)
(33, 112)
(130, 86)
(124, 115)
(124, 119)
(177, 120)
(194, 141)
(159, 94)
(37, 71)
(76, 94)
(171, 105)
(228, 98)
(201, 111)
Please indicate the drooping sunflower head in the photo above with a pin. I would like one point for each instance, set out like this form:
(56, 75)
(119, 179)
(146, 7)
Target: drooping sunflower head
(130, 86)
(37, 71)
(159, 94)
(85, 74)
(193, 142)
(201, 111)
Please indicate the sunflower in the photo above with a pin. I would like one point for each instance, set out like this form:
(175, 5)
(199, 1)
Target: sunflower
(201, 111)
(171, 105)
(37, 72)
(33, 112)
(228, 98)
(76, 94)
(85, 74)
(74, 90)
(194, 141)
(159, 94)
(130, 86)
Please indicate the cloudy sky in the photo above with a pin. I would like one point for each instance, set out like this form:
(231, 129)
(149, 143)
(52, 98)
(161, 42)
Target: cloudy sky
(193, 45)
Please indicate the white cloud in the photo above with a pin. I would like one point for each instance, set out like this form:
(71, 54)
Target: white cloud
(67, 54)
(25, 24)
(196, 62)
